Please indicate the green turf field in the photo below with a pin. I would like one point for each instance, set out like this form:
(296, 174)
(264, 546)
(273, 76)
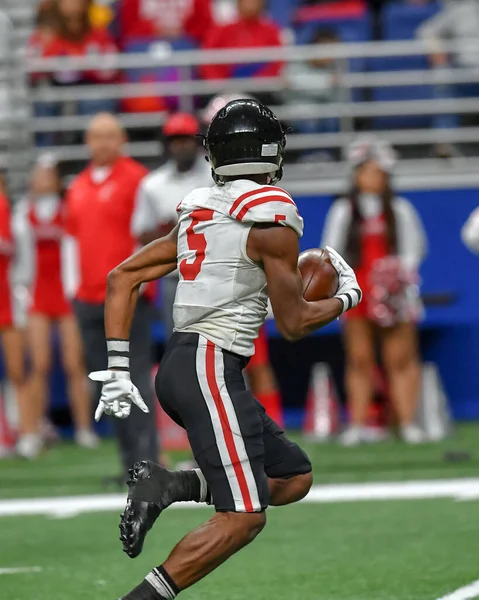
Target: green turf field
(364, 550)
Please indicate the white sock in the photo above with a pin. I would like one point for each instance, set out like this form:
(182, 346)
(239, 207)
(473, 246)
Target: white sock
(203, 485)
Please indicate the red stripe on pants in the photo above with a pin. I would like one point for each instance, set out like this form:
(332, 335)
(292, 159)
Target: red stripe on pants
(225, 426)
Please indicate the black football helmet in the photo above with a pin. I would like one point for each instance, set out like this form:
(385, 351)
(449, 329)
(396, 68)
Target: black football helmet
(245, 138)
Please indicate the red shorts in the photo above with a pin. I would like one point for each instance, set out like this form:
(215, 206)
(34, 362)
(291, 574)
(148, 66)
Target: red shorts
(49, 299)
(261, 351)
(52, 308)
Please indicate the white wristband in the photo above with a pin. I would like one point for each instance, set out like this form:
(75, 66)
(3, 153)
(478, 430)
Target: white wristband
(350, 299)
(118, 354)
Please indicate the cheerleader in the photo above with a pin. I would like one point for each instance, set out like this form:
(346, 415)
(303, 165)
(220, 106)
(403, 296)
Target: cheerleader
(52, 281)
(11, 335)
(382, 237)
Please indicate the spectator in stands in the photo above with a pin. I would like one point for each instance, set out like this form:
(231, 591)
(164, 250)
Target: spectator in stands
(458, 24)
(251, 30)
(163, 189)
(11, 335)
(382, 237)
(166, 19)
(45, 29)
(73, 36)
(52, 275)
(313, 81)
(99, 207)
(470, 232)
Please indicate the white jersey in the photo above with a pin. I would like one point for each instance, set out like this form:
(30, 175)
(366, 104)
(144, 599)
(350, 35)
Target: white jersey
(222, 293)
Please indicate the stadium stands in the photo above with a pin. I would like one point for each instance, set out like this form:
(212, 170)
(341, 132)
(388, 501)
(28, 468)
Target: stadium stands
(384, 85)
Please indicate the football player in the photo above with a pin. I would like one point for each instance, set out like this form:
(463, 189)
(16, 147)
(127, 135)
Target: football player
(235, 244)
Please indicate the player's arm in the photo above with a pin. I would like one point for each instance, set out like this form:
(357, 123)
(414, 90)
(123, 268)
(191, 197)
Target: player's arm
(277, 249)
(151, 262)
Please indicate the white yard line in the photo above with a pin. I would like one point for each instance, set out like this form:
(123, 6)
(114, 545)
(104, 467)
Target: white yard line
(69, 506)
(465, 593)
(17, 570)
(458, 489)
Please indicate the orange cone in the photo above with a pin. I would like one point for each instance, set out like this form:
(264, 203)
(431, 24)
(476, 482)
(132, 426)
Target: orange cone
(322, 407)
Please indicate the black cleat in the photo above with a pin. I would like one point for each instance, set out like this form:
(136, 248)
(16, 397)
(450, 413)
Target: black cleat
(152, 489)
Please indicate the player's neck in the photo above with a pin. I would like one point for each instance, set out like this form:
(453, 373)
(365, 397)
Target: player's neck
(262, 179)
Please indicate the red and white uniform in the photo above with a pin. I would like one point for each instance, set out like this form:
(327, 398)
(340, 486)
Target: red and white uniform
(374, 246)
(411, 239)
(47, 230)
(222, 293)
(6, 260)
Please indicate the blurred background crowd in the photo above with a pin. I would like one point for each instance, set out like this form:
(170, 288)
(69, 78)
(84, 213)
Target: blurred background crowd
(101, 105)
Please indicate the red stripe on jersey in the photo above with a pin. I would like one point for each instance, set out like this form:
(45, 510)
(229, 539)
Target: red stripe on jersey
(259, 201)
(225, 426)
(278, 218)
(266, 188)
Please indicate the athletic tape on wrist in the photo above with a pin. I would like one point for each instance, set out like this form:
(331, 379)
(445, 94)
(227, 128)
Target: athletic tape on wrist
(118, 354)
(349, 299)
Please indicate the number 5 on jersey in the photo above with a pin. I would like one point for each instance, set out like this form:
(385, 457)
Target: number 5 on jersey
(197, 243)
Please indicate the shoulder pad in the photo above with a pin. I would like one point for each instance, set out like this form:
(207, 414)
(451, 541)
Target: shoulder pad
(267, 204)
(197, 198)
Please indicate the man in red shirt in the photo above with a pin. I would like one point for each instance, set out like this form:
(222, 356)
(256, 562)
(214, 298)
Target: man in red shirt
(251, 30)
(99, 208)
(165, 19)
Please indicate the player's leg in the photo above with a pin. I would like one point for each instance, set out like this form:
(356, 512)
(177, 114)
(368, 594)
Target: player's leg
(39, 343)
(78, 392)
(401, 361)
(287, 466)
(199, 553)
(360, 361)
(153, 488)
(225, 432)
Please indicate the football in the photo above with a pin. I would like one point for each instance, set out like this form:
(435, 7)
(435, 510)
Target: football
(320, 279)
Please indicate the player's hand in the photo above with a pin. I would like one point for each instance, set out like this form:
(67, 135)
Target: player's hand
(117, 394)
(349, 291)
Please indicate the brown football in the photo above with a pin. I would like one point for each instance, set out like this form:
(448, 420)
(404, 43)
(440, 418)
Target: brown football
(320, 279)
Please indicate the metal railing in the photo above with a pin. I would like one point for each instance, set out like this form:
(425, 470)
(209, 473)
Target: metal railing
(356, 79)
(15, 135)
